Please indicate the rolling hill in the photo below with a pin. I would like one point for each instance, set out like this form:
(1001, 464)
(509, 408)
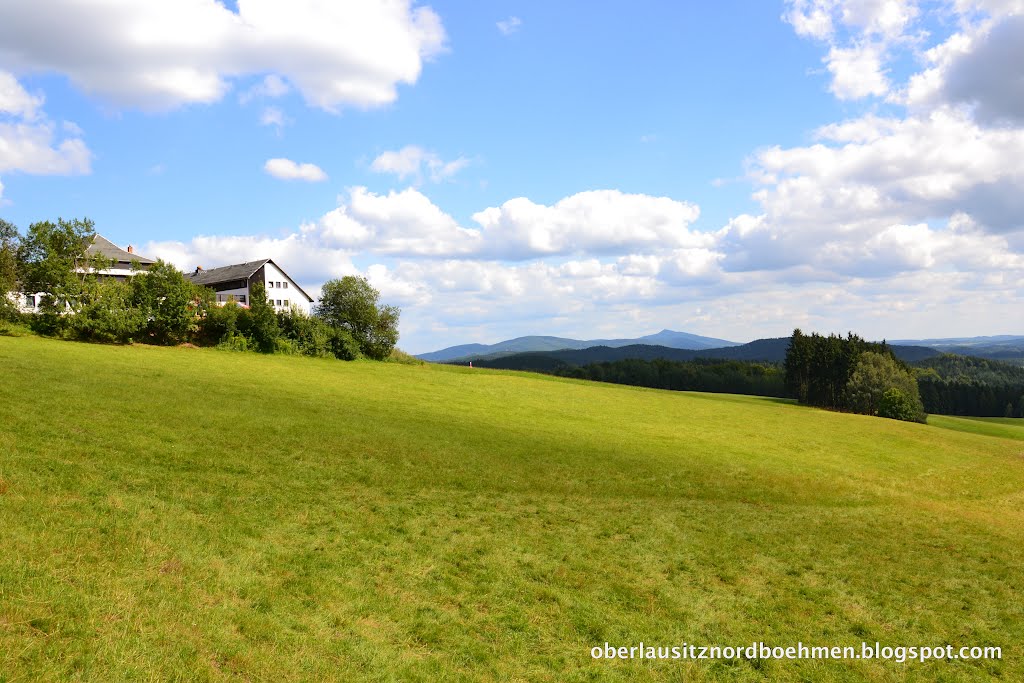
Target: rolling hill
(195, 514)
(668, 338)
(1007, 348)
(764, 350)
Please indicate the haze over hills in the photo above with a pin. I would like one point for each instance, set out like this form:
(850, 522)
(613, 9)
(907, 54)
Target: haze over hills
(666, 338)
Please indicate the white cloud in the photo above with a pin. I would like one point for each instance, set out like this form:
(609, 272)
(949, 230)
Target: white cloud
(414, 162)
(405, 223)
(286, 169)
(28, 140)
(860, 35)
(15, 100)
(154, 54)
(857, 72)
(600, 221)
(510, 25)
(32, 148)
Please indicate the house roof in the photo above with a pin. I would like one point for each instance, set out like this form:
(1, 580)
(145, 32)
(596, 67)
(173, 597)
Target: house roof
(238, 271)
(104, 247)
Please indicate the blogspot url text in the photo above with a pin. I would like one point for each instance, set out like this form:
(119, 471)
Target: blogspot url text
(896, 653)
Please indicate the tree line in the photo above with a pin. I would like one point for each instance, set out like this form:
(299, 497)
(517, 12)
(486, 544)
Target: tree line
(162, 306)
(964, 385)
(853, 375)
(702, 374)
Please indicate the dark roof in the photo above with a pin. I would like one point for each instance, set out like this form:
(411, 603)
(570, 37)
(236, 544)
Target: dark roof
(101, 245)
(238, 271)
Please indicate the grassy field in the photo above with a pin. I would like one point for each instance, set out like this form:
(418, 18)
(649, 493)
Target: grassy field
(186, 514)
(1004, 427)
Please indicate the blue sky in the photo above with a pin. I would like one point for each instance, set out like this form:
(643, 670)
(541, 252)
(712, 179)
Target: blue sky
(582, 169)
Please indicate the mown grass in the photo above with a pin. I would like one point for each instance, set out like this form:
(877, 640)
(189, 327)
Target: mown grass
(1003, 427)
(186, 514)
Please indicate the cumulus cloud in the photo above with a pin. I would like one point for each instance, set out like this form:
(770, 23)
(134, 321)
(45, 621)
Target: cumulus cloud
(857, 72)
(154, 54)
(599, 221)
(982, 67)
(405, 223)
(860, 35)
(30, 143)
(286, 169)
(15, 100)
(415, 162)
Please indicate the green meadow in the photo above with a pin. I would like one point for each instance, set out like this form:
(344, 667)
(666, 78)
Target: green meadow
(178, 514)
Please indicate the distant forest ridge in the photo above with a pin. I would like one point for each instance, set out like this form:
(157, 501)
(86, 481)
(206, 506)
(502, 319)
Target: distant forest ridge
(948, 384)
(762, 351)
(672, 345)
(665, 338)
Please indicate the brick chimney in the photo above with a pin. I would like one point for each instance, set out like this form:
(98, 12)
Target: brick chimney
(198, 269)
(131, 249)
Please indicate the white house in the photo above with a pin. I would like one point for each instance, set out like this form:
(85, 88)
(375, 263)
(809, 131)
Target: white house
(126, 263)
(234, 283)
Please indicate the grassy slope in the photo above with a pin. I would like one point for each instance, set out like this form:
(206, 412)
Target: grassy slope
(192, 514)
(1004, 427)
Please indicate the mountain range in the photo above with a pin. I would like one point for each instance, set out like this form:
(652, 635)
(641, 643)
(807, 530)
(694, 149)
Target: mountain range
(761, 350)
(539, 352)
(666, 338)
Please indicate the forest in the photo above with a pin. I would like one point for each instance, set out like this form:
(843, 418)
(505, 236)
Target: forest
(702, 374)
(963, 385)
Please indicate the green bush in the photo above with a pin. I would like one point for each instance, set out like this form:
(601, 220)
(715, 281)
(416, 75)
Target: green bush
(234, 342)
(259, 322)
(106, 313)
(399, 356)
(310, 336)
(218, 323)
(897, 405)
(172, 304)
(344, 346)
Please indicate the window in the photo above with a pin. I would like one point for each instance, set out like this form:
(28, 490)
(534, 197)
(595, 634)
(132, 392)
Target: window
(286, 302)
(278, 302)
(30, 300)
(285, 285)
(240, 298)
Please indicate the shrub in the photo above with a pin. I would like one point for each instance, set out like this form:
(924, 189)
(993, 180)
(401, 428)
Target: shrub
(259, 323)
(310, 336)
(106, 313)
(897, 405)
(234, 342)
(399, 356)
(344, 346)
(218, 323)
(172, 304)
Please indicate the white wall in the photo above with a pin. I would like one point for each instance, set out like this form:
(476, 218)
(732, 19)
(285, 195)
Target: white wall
(19, 300)
(239, 296)
(282, 290)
